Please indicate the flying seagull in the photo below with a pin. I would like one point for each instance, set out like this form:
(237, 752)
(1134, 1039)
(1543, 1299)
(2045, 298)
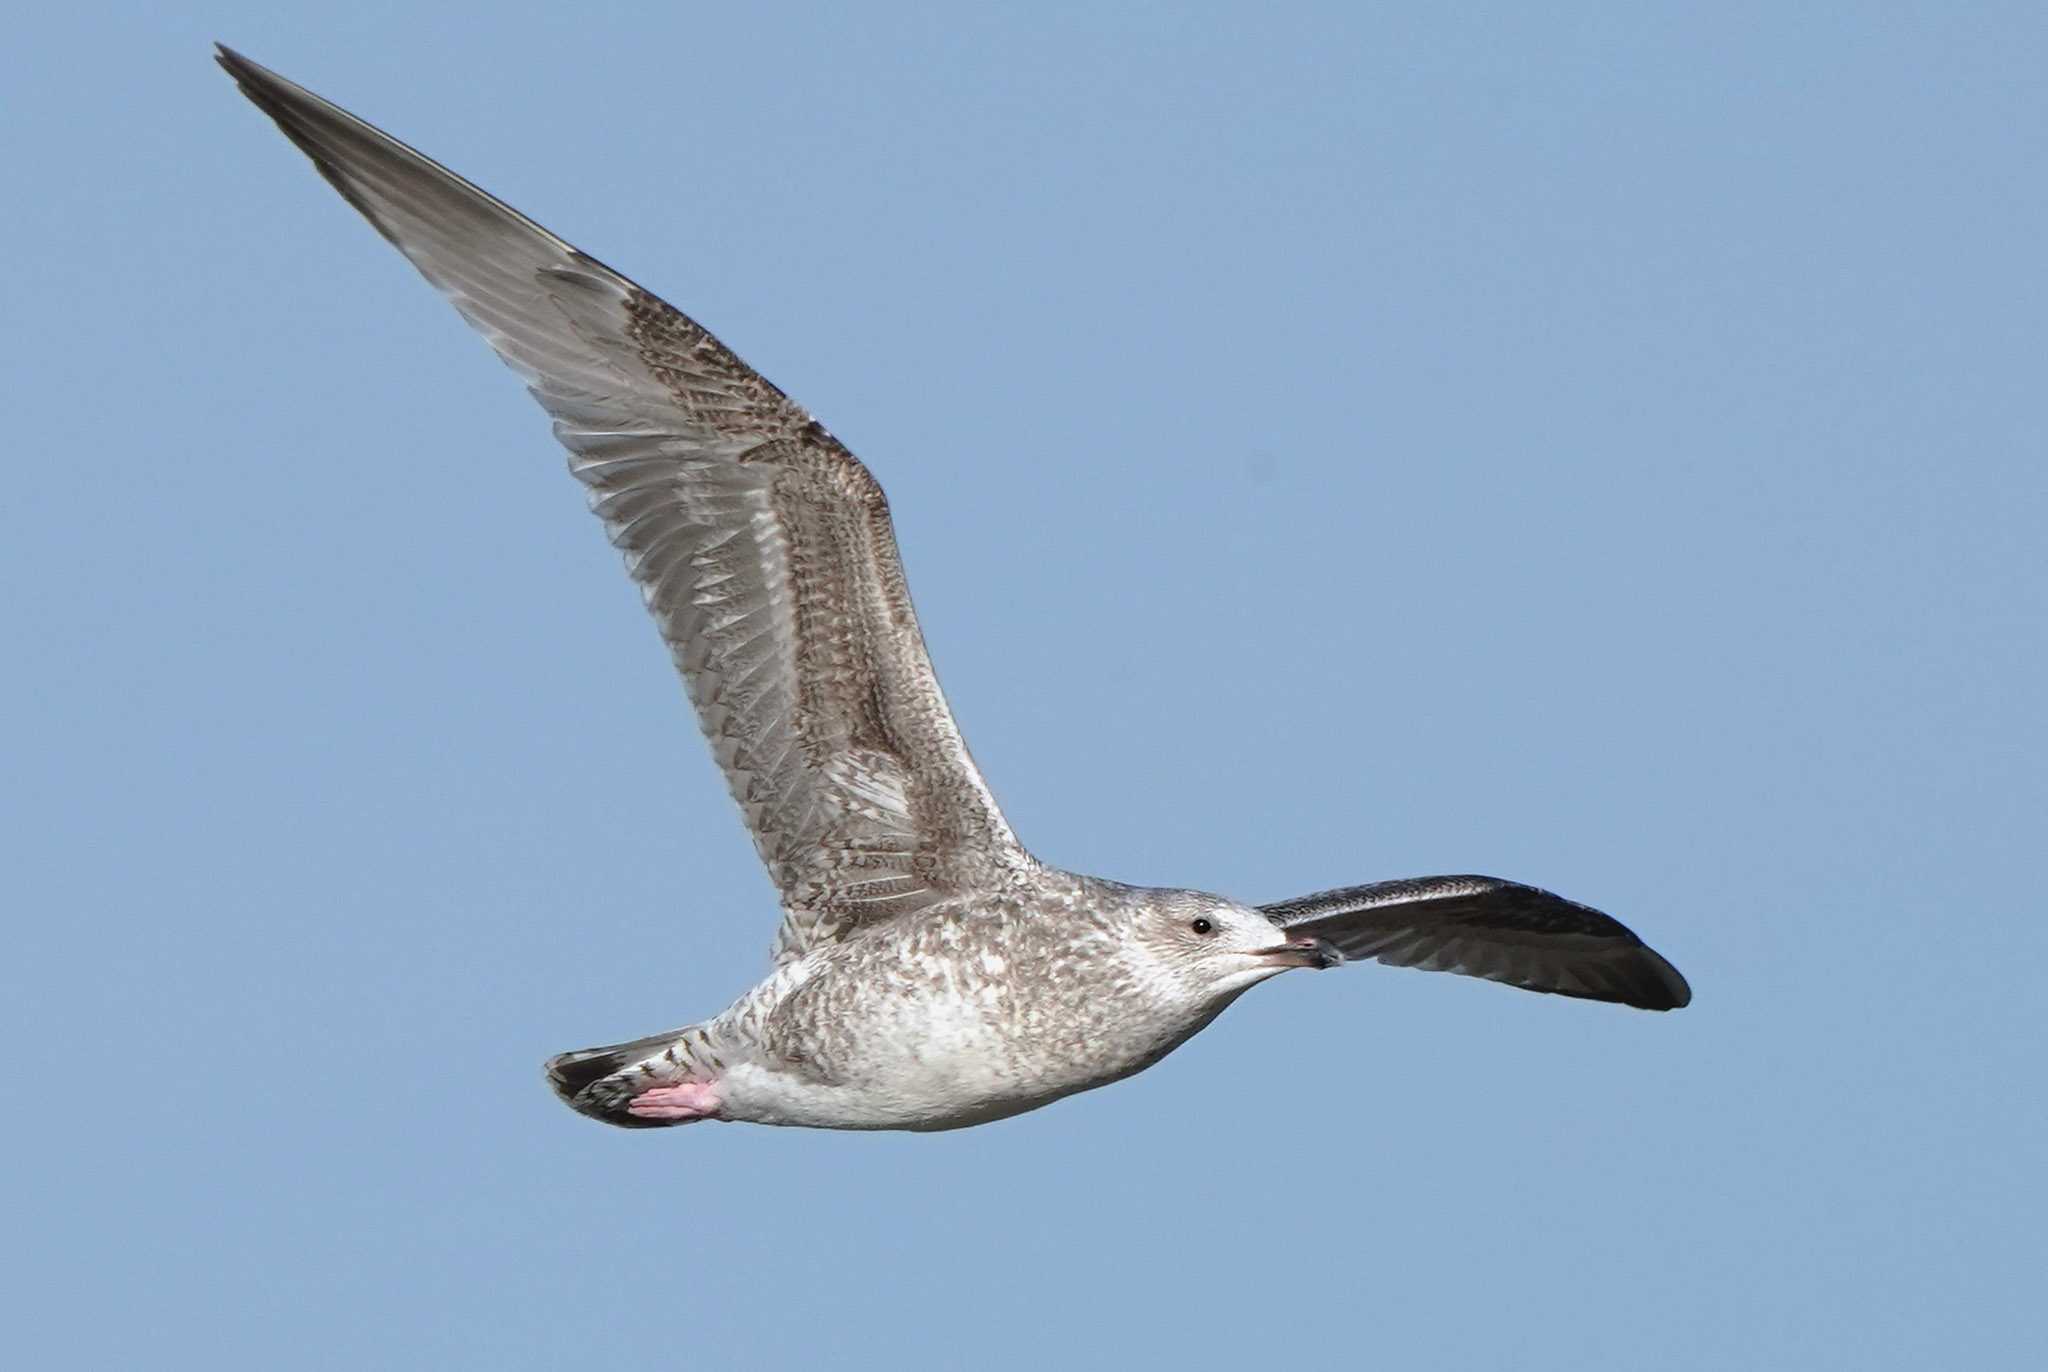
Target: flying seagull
(929, 973)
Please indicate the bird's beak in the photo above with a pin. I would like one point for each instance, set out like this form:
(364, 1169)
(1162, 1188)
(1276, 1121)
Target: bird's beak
(1305, 951)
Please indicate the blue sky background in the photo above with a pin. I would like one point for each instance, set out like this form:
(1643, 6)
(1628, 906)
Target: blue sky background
(1598, 445)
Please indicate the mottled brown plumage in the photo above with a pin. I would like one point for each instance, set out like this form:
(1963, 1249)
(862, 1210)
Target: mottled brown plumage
(928, 973)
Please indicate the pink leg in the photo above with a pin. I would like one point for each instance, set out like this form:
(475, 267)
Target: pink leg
(692, 1100)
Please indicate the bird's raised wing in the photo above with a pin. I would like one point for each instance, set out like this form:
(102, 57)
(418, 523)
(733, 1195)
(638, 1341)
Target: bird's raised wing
(1485, 927)
(762, 547)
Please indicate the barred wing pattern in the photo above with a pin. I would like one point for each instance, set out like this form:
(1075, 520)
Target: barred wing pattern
(762, 547)
(1486, 927)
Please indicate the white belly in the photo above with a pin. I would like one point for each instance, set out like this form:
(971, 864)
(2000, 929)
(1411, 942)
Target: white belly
(940, 1065)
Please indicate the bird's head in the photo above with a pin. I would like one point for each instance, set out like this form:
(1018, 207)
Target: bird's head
(1213, 949)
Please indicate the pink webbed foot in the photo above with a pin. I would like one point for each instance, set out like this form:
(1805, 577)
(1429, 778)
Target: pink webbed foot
(692, 1100)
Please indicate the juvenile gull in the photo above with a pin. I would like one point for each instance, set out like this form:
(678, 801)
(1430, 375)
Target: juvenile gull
(929, 973)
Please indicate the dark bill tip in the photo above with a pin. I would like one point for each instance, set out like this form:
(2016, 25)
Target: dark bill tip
(1307, 951)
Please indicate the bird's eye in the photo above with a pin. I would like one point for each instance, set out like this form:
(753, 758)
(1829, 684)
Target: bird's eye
(1202, 926)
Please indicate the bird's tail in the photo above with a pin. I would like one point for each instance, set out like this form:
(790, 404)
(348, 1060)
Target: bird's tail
(602, 1082)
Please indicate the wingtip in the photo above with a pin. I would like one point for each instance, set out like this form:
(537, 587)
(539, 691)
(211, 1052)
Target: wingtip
(253, 77)
(250, 77)
(1676, 991)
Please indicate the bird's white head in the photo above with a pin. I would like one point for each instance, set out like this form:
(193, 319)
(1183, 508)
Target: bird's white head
(1209, 949)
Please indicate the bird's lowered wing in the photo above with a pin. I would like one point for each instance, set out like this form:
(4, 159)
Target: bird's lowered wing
(762, 547)
(1485, 927)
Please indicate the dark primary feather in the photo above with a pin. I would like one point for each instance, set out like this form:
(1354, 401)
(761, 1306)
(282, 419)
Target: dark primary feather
(1486, 927)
